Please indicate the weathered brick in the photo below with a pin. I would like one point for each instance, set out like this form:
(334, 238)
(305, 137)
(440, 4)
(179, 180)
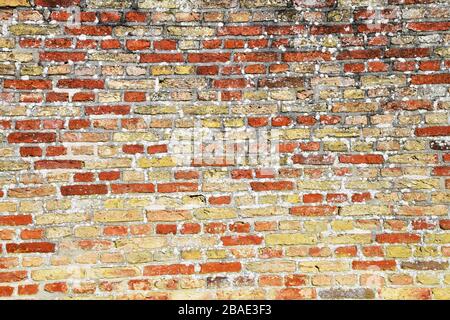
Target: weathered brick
(110, 187)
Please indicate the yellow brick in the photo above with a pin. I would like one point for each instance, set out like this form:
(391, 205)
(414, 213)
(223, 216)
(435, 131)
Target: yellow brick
(139, 257)
(427, 279)
(349, 239)
(111, 163)
(323, 266)
(141, 243)
(13, 165)
(216, 254)
(190, 31)
(337, 132)
(234, 122)
(215, 213)
(318, 185)
(184, 69)
(58, 274)
(33, 30)
(191, 255)
(57, 218)
(367, 185)
(441, 293)
(156, 162)
(263, 211)
(373, 81)
(119, 272)
(438, 238)
(8, 207)
(412, 158)
(53, 205)
(205, 110)
(417, 184)
(315, 226)
(290, 239)
(437, 210)
(134, 136)
(223, 186)
(426, 251)
(161, 70)
(87, 232)
(361, 209)
(14, 3)
(293, 134)
(398, 251)
(168, 215)
(335, 146)
(289, 225)
(127, 84)
(58, 232)
(403, 293)
(342, 225)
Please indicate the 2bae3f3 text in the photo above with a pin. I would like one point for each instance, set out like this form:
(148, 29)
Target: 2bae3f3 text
(225, 310)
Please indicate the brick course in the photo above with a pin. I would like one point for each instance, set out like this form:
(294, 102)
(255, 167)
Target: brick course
(94, 201)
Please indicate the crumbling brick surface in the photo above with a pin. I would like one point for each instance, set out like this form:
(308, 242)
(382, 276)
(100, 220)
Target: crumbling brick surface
(128, 167)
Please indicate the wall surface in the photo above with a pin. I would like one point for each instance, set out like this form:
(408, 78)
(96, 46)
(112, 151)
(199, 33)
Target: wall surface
(113, 115)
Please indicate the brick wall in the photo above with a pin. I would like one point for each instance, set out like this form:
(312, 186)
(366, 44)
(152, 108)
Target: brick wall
(113, 114)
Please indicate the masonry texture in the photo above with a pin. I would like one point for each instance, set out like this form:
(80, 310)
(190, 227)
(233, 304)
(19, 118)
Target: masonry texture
(95, 96)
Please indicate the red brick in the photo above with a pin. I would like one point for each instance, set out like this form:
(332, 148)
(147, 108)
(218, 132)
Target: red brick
(81, 83)
(208, 57)
(58, 164)
(16, 220)
(28, 289)
(219, 200)
(109, 175)
(166, 229)
(117, 110)
(161, 57)
(274, 186)
(313, 211)
(374, 265)
(442, 78)
(255, 57)
(177, 187)
(429, 26)
(56, 287)
(138, 44)
(190, 228)
(30, 247)
(133, 148)
(359, 54)
(240, 31)
(56, 3)
(433, 131)
(27, 84)
(30, 152)
(241, 240)
(397, 238)
(160, 148)
(362, 159)
(165, 45)
(31, 137)
(83, 177)
(172, 269)
(89, 30)
(306, 56)
(62, 56)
